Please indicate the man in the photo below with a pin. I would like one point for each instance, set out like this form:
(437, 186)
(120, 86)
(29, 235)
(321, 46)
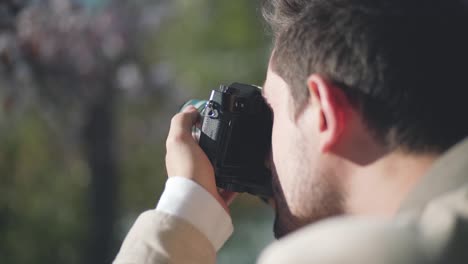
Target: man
(367, 95)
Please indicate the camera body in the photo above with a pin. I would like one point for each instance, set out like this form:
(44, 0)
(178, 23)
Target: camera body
(236, 136)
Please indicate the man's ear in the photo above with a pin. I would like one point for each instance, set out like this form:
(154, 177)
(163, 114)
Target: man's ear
(332, 106)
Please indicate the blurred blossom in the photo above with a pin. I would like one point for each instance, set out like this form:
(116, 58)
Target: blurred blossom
(71, 55)
(113, 46)
(129, 78)
(4, 43)
(60, 6)
(152, 16)
(91, 3)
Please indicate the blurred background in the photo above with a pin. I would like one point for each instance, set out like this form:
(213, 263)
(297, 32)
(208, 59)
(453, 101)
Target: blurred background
(87, 89)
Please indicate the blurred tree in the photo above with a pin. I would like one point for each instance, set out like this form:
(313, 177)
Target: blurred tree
(74, 60)
(87, 88)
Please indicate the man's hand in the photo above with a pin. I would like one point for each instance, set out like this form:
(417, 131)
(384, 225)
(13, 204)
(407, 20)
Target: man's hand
(185, 158)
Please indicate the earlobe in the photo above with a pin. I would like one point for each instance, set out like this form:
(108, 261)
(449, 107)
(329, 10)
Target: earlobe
(332, 107)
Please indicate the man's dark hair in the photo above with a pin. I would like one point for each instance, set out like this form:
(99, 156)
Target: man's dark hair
(402, 63)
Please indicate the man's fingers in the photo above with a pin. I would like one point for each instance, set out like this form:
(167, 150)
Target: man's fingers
(227, 196)
(182, 123)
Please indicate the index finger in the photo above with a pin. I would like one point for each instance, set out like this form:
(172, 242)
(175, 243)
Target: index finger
(182, 123)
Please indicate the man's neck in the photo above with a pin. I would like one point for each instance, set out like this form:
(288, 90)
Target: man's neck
(379, 188)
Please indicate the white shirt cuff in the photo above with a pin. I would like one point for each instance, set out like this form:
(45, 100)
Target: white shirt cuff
(186, 199)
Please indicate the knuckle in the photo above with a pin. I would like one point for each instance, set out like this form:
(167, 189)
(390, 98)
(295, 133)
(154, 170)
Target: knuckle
(170, 142)
(175, 139)
(177, 119)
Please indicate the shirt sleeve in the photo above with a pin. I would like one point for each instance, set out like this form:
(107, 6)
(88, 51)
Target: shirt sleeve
(186, 199)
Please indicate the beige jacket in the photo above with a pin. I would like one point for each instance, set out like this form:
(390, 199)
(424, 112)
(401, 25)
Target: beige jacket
(432, 227)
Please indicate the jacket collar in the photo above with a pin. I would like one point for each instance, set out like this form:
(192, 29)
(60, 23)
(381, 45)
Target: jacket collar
(449, 172)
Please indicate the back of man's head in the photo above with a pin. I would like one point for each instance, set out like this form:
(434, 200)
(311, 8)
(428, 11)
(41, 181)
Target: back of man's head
(401, 63)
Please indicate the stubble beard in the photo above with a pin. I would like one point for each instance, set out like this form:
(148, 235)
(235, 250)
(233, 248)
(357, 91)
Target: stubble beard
(319, 197)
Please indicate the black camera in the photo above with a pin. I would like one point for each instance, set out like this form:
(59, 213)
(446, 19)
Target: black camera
(236, 136)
